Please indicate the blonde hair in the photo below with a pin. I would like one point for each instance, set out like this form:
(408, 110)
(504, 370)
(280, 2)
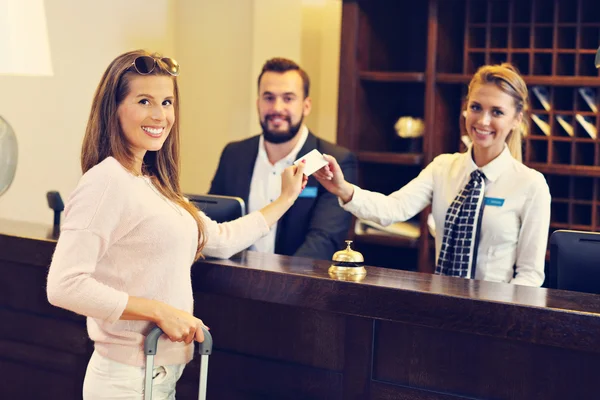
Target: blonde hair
(506, 77)
(104, 136)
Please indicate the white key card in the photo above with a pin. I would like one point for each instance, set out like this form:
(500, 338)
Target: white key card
(314, 162)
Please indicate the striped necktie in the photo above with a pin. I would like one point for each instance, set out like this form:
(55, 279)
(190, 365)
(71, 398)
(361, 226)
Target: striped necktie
(458, 255)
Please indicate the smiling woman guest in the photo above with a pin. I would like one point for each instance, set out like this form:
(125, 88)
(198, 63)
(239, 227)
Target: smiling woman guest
(492, 211)
(129, 237)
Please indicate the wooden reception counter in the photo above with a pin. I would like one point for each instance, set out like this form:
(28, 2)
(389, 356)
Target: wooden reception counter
(284, 329)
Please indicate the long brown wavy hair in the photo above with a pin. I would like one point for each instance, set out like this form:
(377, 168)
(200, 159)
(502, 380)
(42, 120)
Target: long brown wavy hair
(506, 77)
(105, 138)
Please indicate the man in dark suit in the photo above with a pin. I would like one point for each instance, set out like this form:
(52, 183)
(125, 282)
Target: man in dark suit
(315, 226)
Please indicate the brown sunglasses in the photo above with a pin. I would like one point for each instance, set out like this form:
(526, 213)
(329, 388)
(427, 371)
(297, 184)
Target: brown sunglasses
(146, 64)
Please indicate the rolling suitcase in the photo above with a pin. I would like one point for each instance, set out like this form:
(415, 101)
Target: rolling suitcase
(150, 345)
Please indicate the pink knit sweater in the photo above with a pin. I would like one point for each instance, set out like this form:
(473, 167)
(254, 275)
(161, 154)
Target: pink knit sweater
(120, 237)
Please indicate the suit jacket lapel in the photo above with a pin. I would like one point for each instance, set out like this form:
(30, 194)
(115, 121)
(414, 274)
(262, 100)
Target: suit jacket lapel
(244, 164)
(280, 246)
(309, 145)
(245, 167)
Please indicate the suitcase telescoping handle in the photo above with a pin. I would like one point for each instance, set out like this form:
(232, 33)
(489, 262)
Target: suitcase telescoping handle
(150, 345)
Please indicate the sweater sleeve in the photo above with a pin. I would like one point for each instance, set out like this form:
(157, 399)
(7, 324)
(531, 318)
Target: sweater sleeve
(225, 239)
(94, 218)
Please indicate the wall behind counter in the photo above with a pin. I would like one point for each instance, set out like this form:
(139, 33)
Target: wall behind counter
(221, 47)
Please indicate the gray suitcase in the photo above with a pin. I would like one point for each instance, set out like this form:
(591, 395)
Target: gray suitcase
(205, 349)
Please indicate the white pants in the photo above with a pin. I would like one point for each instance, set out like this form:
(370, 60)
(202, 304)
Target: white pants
(108, 379)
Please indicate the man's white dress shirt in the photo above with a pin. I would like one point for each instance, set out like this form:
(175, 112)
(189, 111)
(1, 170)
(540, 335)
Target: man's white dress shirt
(266, 185)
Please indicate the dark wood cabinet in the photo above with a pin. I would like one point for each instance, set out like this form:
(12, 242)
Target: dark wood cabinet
(415, 58)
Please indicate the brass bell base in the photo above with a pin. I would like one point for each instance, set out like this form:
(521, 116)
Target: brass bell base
(347, 265)
(347, 273)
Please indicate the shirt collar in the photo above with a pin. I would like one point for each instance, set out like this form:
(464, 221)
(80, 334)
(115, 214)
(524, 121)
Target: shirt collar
(292, 155)
(494, 168)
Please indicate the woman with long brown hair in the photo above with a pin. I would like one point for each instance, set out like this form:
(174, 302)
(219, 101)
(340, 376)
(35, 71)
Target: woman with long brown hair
(493, 212)
(129, 236)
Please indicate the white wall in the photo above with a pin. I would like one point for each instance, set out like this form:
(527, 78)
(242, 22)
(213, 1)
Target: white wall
(221, 46)
(321, 27)
(224, 44)
(49, 114)
(242, 35)
(213, 46)
(277, 33)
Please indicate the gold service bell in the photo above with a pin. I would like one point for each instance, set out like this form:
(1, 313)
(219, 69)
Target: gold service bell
(347, 264)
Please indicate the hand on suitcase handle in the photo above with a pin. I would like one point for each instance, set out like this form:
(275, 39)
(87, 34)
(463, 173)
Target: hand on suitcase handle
(150, 347)
(150, 344)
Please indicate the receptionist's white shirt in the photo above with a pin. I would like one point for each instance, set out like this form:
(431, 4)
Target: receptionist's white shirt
(516, 217)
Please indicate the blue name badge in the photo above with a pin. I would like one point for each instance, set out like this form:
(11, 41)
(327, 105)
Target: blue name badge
(309, 192)
(493, 201)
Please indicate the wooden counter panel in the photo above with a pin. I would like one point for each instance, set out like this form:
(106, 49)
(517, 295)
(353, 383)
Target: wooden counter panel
(272, 379)
(358, 360)
(477, 366)
(41, 357)
(515, 313)
(306, 337)
(383, 278)
(22, 382)
(387, 391)
(284, 329)
(241, 377)
(16, 244)
(27, 291)
(54, 334)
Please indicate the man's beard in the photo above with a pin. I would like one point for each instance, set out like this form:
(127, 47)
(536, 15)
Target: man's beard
(280, 137)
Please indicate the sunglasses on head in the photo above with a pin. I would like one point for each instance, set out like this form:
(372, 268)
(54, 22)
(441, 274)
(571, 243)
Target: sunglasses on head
(146, 64)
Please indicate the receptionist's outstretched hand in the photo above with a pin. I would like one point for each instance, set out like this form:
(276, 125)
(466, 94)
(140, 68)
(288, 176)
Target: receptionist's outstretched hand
(332, 179)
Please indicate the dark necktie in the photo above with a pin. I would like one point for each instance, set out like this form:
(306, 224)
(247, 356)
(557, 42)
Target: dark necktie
(458, 255)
